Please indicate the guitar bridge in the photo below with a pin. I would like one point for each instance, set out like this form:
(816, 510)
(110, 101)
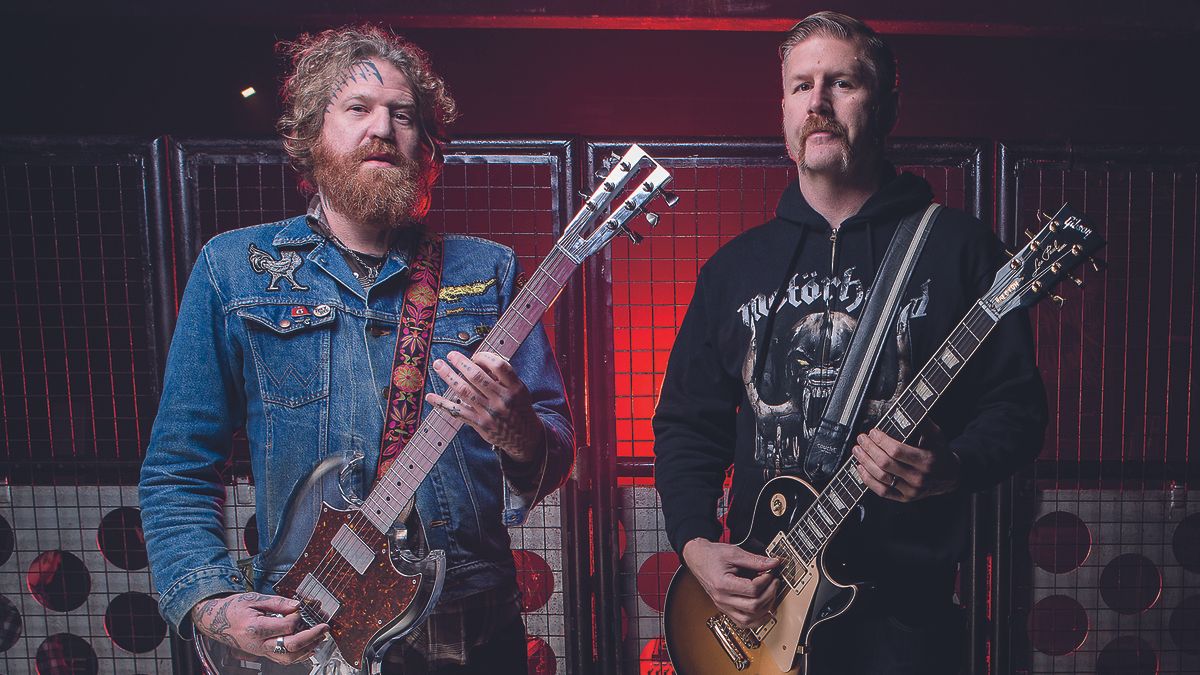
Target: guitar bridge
(724, 630)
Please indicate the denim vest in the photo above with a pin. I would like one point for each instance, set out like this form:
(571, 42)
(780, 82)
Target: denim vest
(277, 336)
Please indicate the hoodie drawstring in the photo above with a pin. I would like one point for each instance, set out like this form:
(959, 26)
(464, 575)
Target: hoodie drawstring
(760, 359)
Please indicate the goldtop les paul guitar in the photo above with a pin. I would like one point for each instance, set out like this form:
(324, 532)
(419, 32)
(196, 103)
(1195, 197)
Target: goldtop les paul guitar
(348, 574)
(793, 522)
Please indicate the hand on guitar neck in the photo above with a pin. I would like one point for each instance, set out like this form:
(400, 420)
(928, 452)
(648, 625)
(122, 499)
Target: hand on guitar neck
(486, 393)
(741, 584)
(895, 470)
(253, 623)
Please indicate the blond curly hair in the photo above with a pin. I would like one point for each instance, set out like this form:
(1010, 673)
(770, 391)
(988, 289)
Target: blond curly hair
(320, 62)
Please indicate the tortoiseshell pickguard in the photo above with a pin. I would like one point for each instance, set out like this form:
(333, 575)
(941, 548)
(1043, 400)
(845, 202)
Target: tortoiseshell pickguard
(370, 602)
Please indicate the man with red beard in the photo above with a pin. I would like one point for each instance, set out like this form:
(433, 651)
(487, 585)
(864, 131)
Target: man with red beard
(306, 333)
(760, 348)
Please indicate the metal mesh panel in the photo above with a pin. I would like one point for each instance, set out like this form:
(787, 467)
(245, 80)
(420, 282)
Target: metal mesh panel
(724, 189)
(75, 593)
(509, 192)
(1104, 555)
(79, 387)
(78, 378)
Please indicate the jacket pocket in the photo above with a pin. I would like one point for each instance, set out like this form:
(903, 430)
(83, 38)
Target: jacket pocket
(291, 349)
(460, 332)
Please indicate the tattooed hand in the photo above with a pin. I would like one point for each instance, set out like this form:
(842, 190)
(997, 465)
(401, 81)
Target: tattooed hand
(485, 391)
(252, 623)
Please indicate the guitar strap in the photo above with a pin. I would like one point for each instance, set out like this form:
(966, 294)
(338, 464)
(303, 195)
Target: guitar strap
(874, 324)
(414, 335)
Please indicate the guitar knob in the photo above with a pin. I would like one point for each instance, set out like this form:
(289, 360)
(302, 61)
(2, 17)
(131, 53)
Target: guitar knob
(651, 217)
(670, 198)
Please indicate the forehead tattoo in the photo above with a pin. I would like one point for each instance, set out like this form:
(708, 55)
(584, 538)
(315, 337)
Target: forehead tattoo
(359, 71)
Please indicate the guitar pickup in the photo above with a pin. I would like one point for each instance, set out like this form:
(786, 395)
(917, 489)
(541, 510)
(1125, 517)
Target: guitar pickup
(722, 629)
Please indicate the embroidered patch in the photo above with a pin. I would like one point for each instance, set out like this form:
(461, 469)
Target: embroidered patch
(483, 329)
(283, 268)
(457, 293)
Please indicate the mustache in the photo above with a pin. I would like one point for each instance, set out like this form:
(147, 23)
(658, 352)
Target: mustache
(378, 149)
(815, 124)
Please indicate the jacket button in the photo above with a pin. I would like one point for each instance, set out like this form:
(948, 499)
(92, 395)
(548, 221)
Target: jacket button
(285, 323)
(321, 310)
(463, 335)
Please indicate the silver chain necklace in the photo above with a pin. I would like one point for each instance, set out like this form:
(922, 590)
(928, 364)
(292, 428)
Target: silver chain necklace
(372, 270)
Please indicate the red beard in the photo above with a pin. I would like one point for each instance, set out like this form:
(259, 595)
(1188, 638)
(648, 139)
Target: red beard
(383, 196)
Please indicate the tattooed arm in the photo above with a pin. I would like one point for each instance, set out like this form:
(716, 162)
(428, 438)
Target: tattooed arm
(252, 623)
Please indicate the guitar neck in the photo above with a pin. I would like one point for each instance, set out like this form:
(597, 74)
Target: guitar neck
(800, 546)
(396, 488)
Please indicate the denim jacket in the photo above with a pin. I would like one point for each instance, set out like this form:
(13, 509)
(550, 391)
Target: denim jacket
(277, 336)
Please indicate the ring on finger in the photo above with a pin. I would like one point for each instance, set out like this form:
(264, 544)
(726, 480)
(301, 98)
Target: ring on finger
(280, 648)
(894, 479)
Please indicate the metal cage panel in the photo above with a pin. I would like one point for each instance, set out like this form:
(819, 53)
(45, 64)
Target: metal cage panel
(1095, 579)
(724, 189)
(509, 191)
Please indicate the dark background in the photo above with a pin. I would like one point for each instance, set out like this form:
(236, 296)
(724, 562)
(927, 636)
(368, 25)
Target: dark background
(1119, 72)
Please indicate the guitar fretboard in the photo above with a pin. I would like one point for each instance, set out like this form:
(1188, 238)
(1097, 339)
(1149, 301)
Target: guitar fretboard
(397, 487)
(799, 546)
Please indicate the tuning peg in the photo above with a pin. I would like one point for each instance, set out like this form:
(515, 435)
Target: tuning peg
(669, 198)
(633, 236)
(651, 217)
(1028, 234)
(1097, 263)
(611, 160)
(1077, 280)
(1057, 300)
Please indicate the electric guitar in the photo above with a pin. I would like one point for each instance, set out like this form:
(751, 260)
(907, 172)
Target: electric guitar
(793, 522)
(350, 575)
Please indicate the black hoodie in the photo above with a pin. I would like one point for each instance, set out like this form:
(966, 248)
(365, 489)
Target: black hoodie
(725, 401)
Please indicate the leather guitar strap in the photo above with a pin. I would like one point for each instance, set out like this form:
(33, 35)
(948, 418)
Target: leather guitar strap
(406, 392)
(874, 325)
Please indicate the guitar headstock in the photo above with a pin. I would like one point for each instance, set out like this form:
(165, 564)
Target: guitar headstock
(1048, 257)
(633, 179)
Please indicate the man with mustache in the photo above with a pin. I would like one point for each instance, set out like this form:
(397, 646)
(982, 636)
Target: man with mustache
(309, 362)
(762, 338)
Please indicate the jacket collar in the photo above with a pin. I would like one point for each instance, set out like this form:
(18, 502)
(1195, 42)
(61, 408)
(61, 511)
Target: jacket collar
(296, 233)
